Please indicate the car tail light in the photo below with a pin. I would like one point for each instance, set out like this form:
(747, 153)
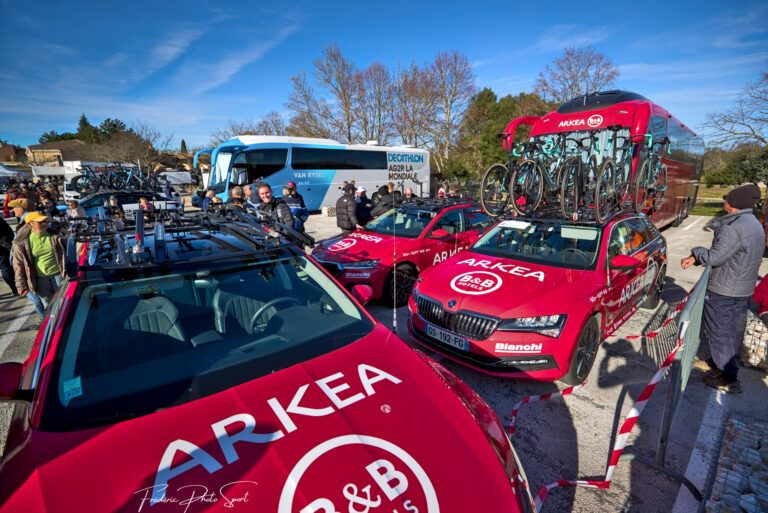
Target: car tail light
(491, 426)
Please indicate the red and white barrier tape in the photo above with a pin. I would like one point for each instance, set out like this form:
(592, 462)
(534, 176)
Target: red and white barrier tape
(536, 398)
(629, 421)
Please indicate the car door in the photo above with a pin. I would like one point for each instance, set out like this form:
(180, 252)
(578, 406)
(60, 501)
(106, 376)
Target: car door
(476, 222)
(444, 246)
(626, 284)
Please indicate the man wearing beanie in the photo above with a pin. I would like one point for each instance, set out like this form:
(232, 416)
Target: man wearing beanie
(735, 255)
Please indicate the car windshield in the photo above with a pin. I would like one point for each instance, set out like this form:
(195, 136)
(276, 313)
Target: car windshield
(557, 244)
(403, 222)
(138, 346)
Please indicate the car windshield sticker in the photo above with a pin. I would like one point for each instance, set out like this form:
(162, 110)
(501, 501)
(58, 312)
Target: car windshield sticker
(366, 236)
(342, 245)
(578, 232)
(476, 283)
(514, 224)
(72, 388)
(376, 474)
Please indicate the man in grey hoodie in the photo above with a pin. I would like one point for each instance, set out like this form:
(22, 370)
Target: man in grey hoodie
(735, 256)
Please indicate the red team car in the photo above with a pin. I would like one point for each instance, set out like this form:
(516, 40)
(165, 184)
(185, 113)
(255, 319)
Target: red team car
(419, 235)
(534, 297)
(217, 368)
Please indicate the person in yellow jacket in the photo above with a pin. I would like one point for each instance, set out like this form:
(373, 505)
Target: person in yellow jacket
(38, 261)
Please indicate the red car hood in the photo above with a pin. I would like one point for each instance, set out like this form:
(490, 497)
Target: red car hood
(505, 288)
(369, 423)
(360, 245)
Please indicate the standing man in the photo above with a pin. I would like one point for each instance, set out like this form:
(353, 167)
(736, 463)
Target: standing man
(346, 218)
(295, 194)
(38, 261)
(21, 207)
(209, 195)
(363, 206)
(735, 256)
(236, 197)
(409, 196)
(6, 240)
(274, 208)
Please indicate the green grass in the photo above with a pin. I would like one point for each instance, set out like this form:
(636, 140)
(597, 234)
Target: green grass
(707, 207)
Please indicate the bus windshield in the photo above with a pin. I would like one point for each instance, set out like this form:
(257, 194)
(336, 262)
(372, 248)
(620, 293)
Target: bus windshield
(219, 172)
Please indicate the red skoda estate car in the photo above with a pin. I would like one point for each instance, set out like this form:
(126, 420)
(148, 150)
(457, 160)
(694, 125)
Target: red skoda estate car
(214, 367)
(419, 235)
(534, 297)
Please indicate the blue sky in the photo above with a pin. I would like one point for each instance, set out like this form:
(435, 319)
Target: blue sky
(188, 68)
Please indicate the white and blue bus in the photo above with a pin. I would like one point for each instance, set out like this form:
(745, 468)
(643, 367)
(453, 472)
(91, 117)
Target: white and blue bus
(318, 167)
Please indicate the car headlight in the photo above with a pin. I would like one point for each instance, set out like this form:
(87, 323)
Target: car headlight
(549, 325)
(415, 289)
(362, 264)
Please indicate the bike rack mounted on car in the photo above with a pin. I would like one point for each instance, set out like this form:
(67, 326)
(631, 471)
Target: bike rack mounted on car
(109, 246)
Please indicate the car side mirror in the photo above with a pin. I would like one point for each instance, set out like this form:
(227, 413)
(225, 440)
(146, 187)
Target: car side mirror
(440, 233)
(362, 293)
(623, 262)
(10, 377)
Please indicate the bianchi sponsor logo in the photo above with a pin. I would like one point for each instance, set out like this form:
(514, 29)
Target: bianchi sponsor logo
(518, 348)
(357, 275)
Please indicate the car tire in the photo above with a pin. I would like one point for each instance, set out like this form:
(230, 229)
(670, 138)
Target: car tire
(654, 295)
(404, 277)
(585, 353)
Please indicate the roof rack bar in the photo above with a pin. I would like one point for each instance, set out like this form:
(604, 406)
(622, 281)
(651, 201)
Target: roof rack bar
(161, 249)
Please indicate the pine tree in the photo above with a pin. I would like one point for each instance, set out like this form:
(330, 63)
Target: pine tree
(183, 146)
(86, 132)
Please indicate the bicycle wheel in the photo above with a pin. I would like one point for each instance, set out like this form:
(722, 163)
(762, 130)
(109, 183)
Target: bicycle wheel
(660, 187)
(606, 193)
(623, 179)
(85, 184)
(640, 190)
(570, 186)
(527, 184)
(494, 190)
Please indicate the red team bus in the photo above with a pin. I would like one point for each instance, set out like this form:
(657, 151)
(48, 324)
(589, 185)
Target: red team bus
(651, 159)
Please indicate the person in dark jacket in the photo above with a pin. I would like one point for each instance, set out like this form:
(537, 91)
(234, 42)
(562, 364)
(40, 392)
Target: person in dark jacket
(299, 211)
(735, 256)
(6, 239)
(236, 197)
(274, 208)
(346, 218)
(363, 207)
(292, 192)
(386, 200)
(409, 196)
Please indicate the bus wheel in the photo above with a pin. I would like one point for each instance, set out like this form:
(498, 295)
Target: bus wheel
(399, 285)
(585, 354)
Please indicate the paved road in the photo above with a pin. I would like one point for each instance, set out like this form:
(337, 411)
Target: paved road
(564, 438)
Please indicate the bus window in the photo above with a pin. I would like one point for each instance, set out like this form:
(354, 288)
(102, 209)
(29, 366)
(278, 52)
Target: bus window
(658, 127)
(323, 158)
(219, 172)
(257, 164)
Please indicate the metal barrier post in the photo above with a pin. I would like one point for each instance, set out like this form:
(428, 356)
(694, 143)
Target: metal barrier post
(688, 328)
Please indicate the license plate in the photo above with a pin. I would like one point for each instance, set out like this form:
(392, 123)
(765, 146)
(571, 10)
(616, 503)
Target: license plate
(446, 337)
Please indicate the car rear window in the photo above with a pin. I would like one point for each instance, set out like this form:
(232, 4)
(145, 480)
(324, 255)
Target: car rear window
(137, 346)
(546, 243)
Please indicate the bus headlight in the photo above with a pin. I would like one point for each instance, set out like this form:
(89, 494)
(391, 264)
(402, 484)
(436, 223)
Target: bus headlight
(549, 325)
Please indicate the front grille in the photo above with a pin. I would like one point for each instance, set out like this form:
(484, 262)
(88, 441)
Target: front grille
(466, 324)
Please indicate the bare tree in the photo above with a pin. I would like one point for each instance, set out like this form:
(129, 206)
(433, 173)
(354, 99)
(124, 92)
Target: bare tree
(337, 75)
(413, 104)
(577, 72)
(310, 115)
(373, 92)
(747, 121)
(453, 87)
(271, 124)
